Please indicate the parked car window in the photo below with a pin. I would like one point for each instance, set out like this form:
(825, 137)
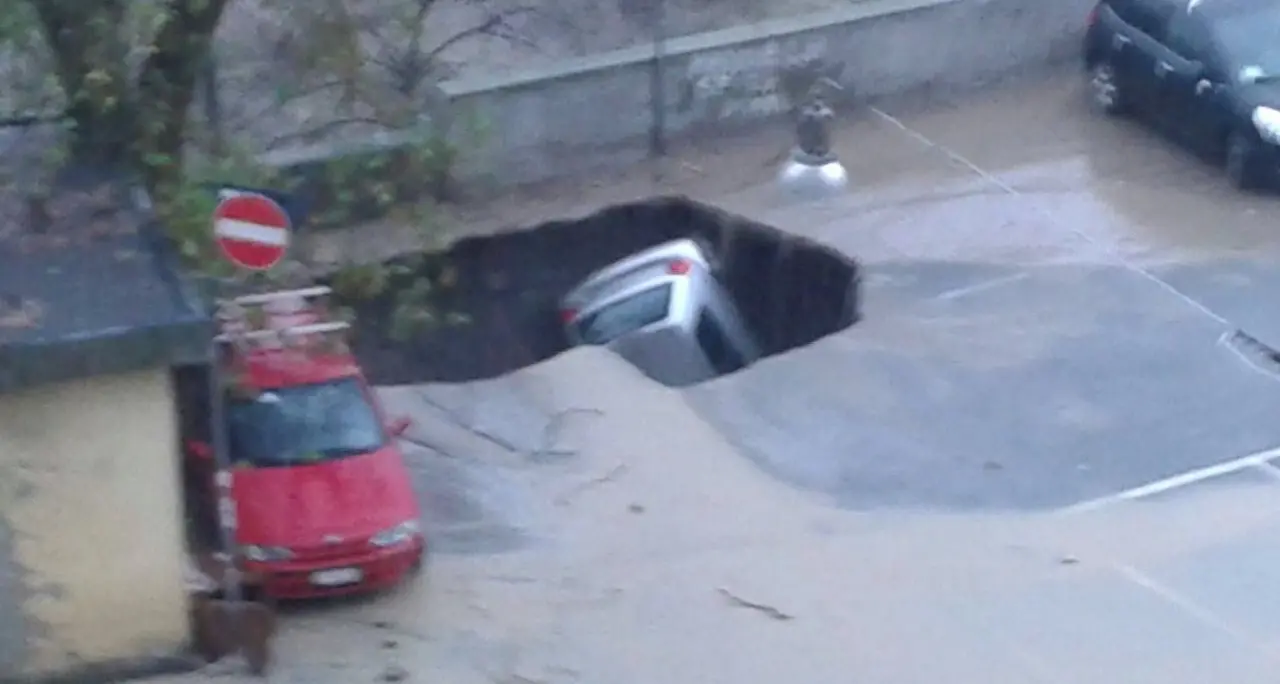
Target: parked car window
(715, 344)
(1148, 16)
(303, 424)
(1249, 39)
(612, 321)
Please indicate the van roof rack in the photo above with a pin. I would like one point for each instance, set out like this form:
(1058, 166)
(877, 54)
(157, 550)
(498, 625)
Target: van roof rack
(276, 319)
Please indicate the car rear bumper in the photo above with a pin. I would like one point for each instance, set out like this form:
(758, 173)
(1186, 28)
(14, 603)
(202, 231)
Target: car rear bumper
(379, 569)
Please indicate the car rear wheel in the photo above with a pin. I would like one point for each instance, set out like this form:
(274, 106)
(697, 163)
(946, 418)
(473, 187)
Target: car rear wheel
(1241, 165)
(1104, 88)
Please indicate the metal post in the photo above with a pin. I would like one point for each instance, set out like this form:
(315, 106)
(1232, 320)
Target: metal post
(222, 478)
(657, 82)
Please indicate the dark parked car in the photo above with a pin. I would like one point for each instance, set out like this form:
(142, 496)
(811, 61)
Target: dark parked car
(1207, 72)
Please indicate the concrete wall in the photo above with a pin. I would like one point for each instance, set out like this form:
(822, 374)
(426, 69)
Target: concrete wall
(90, 526)
(597, 110)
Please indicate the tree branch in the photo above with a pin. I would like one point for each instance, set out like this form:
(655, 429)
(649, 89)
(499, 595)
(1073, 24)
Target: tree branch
(311, 134)
(489, 26)
(29, 120)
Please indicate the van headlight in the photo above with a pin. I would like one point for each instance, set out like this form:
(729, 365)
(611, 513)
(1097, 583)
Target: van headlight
(265, 554)
(1267, 121)
(399, 534)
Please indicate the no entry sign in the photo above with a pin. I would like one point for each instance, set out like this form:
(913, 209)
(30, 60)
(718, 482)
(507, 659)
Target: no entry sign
(252, 230)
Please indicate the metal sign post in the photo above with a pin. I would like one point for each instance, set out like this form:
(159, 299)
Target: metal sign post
(252, 232)
(222, 472)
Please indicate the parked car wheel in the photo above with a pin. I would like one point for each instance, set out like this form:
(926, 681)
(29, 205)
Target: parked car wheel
(1105, 89)
(1241, 165)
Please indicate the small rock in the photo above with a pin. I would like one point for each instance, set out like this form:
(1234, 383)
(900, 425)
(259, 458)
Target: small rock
(1068, 560)
(393, 673)
(991, 466)
(636, 508)
(390, 644)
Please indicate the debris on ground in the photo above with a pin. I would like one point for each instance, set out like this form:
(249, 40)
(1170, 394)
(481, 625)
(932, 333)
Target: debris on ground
(760, 607)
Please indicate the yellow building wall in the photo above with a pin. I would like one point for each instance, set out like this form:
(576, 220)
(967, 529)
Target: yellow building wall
(91, 512)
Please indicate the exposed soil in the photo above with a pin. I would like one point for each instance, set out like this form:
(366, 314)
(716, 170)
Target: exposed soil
(505, 286)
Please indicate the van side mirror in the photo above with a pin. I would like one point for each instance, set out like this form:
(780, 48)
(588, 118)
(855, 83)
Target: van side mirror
(399, 426)
(200, 449)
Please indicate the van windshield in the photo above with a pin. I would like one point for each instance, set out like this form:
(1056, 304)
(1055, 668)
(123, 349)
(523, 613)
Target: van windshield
(303, 424)
(629, 314)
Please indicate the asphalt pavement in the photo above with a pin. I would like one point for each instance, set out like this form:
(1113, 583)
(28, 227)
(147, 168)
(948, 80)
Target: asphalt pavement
(1053, 302)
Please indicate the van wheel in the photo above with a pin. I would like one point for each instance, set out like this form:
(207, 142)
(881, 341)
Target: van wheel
(1240, 165)
(1104, 88)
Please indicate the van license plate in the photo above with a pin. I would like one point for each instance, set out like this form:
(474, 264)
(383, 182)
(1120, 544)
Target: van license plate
(336, 578)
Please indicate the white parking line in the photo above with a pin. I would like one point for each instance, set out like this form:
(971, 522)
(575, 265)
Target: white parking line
(987, 285)
(1258, 459)
(1230, 340)
(1270, 469)
(1188, 606)
(1049, 215)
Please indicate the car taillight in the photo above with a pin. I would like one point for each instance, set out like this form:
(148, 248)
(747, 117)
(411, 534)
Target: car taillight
(567, 315)
(1093, 16)
(678, 267)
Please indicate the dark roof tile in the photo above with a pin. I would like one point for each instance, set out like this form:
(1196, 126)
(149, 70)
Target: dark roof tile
(80, 263)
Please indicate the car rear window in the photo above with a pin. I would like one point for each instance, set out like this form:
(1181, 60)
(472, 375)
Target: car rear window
(625, 315)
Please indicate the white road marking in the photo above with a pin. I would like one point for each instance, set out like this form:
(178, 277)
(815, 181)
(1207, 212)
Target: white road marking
(1181, 480)
(1227, 341)
(1049, 215)
(1270, 468)
(1188, 606)
(251, 232)
(971, 289)
(1259, 459)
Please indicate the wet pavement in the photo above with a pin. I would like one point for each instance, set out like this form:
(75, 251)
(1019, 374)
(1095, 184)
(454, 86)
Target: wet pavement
(1051, 308)
(1042, 457)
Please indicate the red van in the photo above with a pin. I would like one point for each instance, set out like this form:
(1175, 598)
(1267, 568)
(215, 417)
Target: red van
(324, 503)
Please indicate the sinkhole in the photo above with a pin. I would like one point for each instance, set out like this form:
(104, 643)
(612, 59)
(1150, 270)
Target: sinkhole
(502, 291)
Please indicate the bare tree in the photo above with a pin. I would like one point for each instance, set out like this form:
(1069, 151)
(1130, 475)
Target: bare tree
(124, 73)
(355, 68)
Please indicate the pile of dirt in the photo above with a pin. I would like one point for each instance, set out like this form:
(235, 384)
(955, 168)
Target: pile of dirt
(503, 289)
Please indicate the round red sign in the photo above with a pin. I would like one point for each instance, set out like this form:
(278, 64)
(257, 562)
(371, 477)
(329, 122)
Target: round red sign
(251, 230)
